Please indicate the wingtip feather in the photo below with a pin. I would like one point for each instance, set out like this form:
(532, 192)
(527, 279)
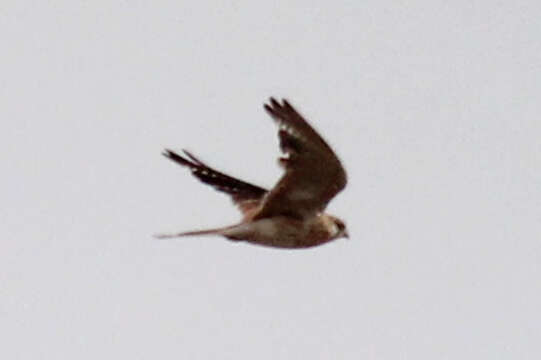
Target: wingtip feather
(192, 157)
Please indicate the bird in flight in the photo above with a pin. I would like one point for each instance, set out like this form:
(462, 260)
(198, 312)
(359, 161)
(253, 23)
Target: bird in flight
(290, 215)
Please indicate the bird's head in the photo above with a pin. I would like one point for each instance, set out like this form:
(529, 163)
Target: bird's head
(338, 228)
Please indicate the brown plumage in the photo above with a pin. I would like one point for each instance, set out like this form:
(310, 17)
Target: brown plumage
(291, 214)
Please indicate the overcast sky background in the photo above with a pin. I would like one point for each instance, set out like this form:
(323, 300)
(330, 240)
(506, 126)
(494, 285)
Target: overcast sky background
(433, 106)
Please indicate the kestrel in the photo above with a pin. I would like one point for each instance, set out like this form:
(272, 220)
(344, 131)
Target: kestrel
(291, 214)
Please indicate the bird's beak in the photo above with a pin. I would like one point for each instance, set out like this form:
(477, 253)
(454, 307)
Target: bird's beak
(346, 234)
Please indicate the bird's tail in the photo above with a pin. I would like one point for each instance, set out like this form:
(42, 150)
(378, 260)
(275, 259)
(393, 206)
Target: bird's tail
(216, 231)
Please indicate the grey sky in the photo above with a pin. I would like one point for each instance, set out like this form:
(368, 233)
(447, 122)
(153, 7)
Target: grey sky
(432, 106)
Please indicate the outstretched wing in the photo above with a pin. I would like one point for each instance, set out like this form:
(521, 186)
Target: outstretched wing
(313, 173)
(246, 196)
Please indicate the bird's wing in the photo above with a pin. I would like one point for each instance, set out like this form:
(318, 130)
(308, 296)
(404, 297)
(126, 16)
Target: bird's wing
(246, 196)
(313, 173)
